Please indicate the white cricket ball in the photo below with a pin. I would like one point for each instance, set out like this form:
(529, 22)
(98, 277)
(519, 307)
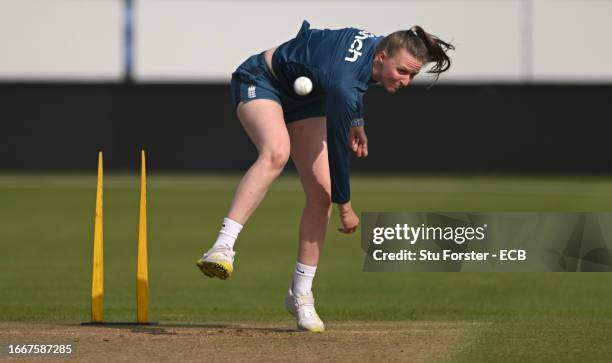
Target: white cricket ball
(302, 86)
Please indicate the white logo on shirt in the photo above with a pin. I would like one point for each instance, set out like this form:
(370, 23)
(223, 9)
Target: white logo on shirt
(357, 44)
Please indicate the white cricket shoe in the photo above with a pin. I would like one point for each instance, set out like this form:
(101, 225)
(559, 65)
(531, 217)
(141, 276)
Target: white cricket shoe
(302, 307)
(217, 262)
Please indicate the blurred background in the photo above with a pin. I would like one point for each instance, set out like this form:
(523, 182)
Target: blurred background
(529, 89)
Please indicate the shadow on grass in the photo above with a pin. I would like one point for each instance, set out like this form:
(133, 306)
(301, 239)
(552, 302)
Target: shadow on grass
(160, 328)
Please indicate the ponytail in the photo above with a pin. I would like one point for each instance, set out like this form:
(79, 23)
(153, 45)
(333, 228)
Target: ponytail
(436, 49)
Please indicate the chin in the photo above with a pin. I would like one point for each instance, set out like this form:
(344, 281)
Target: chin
(391, 89)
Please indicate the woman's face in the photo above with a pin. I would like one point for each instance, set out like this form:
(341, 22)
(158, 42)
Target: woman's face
(397, 71)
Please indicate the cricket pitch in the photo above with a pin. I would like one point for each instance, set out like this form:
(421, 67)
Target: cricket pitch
(416, 341)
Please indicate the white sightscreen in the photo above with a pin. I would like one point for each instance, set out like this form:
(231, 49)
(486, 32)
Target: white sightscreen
(60, 39)
(204, 40)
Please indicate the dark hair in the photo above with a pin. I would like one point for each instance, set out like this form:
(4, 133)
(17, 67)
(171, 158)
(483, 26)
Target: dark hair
(425, 47)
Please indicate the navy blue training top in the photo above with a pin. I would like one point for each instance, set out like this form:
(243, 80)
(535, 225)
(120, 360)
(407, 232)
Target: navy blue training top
(339, 63)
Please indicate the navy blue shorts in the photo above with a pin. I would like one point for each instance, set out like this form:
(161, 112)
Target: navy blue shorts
(253, 80)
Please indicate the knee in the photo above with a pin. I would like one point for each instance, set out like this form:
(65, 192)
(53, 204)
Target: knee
(320, 198)
(276, 158)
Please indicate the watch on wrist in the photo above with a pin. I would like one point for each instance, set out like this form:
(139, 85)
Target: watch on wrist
(357, 122)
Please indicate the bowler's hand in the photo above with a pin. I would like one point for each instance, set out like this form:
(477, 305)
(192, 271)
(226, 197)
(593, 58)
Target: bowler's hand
(358, 141)
(348, 218)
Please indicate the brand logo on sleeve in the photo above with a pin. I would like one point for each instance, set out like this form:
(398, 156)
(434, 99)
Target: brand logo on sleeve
(357, 44)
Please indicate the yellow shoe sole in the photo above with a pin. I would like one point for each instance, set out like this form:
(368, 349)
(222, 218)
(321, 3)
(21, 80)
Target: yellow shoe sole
(312, 330)
(222, 270)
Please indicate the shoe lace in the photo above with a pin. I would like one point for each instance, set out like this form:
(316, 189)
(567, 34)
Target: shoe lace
(305, 304)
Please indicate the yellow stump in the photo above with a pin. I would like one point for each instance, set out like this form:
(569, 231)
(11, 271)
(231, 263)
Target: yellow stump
(97, 276)
(142, 274)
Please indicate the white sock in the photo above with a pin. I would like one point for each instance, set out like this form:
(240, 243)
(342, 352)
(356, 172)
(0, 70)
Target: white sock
(302, 278)
(228, 234)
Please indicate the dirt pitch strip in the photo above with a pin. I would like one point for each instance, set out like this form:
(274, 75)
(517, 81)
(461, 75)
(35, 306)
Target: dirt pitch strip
(415, 341)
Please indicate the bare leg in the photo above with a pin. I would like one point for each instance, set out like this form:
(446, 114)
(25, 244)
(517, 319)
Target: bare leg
(309, 153)
(264, 123)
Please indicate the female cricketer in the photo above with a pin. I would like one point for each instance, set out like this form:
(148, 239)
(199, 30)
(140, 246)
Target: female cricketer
(317, 130)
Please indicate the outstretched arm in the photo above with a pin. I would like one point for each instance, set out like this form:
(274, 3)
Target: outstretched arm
(358, 142)
(344, 110)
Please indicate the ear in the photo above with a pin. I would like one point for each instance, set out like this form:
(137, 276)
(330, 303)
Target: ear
(380, 56)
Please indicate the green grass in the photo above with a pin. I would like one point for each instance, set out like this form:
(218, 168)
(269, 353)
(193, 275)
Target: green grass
(47, 230)
(561, 339)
